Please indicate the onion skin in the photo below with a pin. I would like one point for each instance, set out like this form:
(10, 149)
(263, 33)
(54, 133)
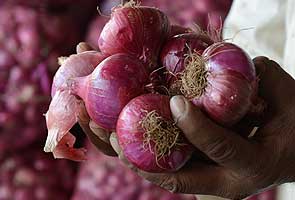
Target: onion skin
(137, 31)
(228, 97)
(130, 135)
(232, 83)
(230, 57)
(65, 108)
(174, 51)
(113, 83)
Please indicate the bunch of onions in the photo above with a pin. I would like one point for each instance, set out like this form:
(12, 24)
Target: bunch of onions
(218, 77)
(222, 81)
(149, 137)
(137, 31)
(113, 83)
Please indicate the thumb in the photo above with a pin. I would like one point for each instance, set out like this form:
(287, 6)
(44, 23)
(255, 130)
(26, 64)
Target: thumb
(221, 145)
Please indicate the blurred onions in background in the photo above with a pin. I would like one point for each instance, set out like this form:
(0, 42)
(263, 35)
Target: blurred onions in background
(33, 34)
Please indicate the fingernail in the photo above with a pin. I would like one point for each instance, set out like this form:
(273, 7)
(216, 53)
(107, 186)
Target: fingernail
(177, 105)
(114, 143)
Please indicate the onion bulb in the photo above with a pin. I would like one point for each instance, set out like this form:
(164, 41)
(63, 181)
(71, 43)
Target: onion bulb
(113, 83)
(149, 137)
(222, 81)
(137, 31)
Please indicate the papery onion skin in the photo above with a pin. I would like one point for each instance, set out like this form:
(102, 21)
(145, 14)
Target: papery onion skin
(65, 108)
(130, 135)
(231, 84)
(224, 55)
(137, 31)
(113, 83)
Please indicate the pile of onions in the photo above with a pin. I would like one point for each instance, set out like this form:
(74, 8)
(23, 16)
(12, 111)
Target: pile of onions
(32, 175)
(30, 42)
(103, 176)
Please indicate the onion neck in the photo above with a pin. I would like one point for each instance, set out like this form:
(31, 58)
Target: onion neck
(193, 79)
(78, 86)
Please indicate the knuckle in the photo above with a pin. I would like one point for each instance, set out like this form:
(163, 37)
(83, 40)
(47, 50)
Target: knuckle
(221, 150)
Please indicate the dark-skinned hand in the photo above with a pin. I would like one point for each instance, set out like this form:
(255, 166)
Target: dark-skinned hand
(242, 166)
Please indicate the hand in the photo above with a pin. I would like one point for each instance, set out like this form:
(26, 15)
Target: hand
(98, 136)
(242, 166)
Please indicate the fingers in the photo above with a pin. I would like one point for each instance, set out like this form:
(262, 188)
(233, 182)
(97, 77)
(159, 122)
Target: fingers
(195, 178)
(96, 141)
(82, 46)
(118, 150)
(275, 85)
(99, 132)
(221, 145)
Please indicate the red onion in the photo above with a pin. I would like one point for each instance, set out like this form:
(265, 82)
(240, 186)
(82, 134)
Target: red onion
(175, 50)
(114, 82)
(64, 108)
(137, 31)
(149, 137)
(222, 82)
(103, 177)
(31, 175)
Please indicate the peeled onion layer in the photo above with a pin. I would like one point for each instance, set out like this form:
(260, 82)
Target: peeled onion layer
(114, 82)
(65, 108)
(222, 82)
(61, 116)
(148, 136)
(135, 30)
